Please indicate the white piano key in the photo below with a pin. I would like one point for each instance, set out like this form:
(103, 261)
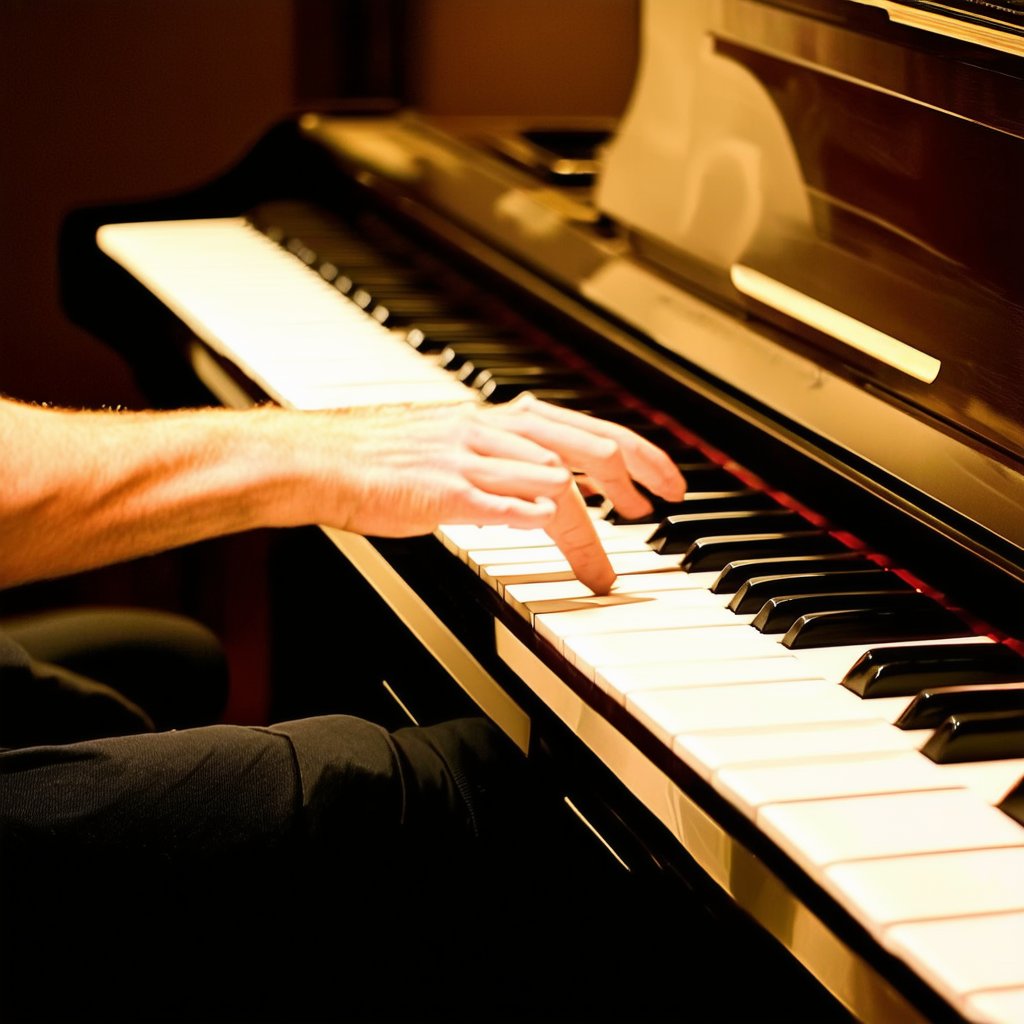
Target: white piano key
(620, 681)
(530, 599)
(776, 763)
(638, 533)
(818, 833)
(931, 886)
(669, 713)
(623, 563)
(962, 956)
(991, 780)
(754, 787)
(999, 1006)
(709, 752)
(487, 557)
(694, 609)
(302, 355)
(461, 538)
(591, 654)
(594, 653)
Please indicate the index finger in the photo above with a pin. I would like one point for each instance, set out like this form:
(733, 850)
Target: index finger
(574, 533)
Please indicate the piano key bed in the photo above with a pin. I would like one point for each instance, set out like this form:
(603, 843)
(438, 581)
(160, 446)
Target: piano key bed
(747, 656)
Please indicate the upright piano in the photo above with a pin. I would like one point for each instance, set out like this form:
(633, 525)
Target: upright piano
(797, 263)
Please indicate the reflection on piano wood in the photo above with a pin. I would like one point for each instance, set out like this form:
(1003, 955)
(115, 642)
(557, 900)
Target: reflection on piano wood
(830, 725)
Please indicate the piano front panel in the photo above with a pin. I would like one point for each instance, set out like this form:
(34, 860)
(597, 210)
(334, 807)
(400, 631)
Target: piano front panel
(733, 745)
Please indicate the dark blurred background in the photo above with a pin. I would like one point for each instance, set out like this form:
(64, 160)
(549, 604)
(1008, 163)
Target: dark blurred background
(115, 100)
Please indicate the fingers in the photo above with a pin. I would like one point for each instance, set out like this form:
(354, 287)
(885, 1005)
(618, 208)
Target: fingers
(485, 509)
(645, 461)
(514, 466)
(573, 531)
(517, 479)
(504, 444)
(608, 456)
(611, 455)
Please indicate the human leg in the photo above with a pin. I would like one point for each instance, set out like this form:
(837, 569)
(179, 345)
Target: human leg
(169, 666)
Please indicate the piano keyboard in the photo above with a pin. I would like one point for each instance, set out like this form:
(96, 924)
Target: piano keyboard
(865, 729)
(307, 345)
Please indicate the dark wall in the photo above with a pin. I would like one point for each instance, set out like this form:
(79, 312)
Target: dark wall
(534, 57)
(105, 100)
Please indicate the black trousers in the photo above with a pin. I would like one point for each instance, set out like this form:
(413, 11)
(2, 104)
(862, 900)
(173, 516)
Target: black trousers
(152, 868)
(97, 672)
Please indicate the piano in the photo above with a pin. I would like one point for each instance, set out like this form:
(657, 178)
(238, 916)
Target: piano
(797, 262)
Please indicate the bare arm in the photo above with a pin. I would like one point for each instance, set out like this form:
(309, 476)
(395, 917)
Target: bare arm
(83, 489)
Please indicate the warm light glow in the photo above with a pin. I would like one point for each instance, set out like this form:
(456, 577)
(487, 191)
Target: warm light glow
(846, 329)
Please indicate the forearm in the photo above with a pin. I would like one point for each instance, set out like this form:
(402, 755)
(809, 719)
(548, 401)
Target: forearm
(83, 489)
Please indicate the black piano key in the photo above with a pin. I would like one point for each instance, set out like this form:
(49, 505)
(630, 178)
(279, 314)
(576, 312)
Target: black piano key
(503, 389)
(677, 533)
(341, 251)
(405, 298)
(593, 402)
(1013, 803)
(734, 499)
(297, 247)
(469, 340)
(701, 475)
(641, 422)
(873, 626)
(753, 594)
(702, 502)
(704, 477)
(476, 372)
(712, 554)
(348, 278)
(385, 278)
(540, 375)
(735, 574)
(439, 334)
(931, 707)
(473, 373)
(680, 451)
(492, 353)
(319, 244)
(904, 671)
(779, 613)
(977, 736)
(405, 310)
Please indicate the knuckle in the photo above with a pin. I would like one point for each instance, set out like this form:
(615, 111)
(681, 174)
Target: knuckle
(608, 453)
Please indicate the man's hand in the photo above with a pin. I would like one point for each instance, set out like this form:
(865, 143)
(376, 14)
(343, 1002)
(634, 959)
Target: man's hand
(412, 469)
(84, 489)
